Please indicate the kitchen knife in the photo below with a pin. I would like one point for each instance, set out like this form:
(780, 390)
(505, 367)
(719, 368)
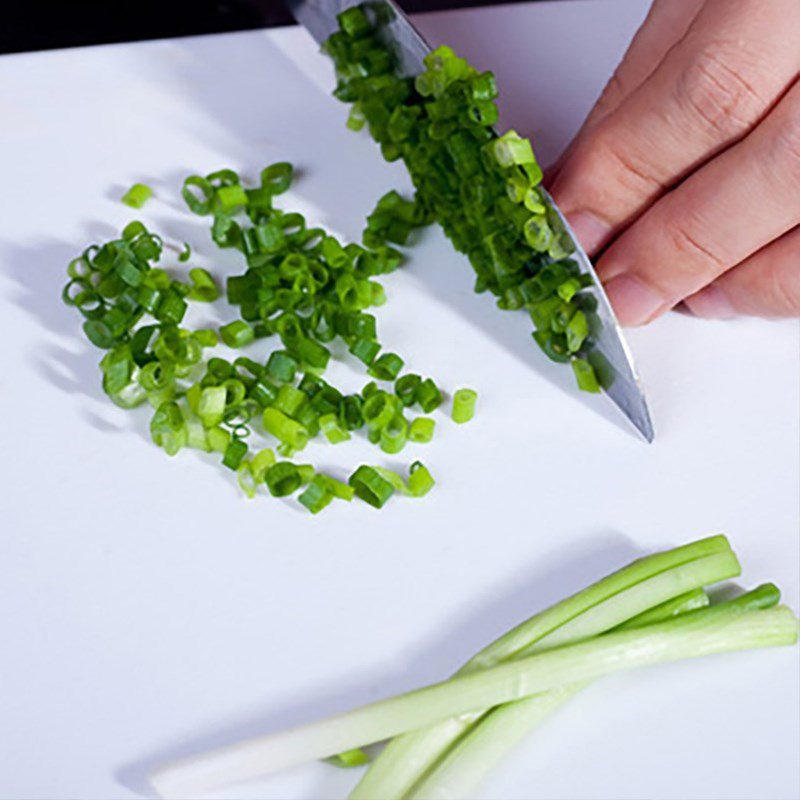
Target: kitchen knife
(610, 357)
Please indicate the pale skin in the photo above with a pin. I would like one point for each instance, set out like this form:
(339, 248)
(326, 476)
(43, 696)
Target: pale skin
(684, 181)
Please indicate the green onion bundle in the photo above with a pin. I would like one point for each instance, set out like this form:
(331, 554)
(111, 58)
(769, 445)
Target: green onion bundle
(449, 734)
(484, 191)
(301, 286)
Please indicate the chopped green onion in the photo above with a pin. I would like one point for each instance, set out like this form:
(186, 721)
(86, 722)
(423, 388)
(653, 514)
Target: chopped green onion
(203, 287)
(283, 479)
(428, 396)
(405, 388)
(464, 405)
(234, 454)
(330, 427)
(186, 253)
(317, 495)
(342, 491)
(585, 375)
(284, 428)
(386, 367)
(281, 366)
(420, 480)
(372, 488)
(237, 333)
(421, 430)
(211, 405)
(394, 434)
(246, 479)
(137, 195)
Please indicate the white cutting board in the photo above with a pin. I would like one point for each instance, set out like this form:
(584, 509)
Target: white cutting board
(148, 610)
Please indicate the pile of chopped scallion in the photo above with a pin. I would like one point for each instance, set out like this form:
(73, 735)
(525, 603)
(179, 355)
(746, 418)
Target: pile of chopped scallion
(482, 189)
(301, 286)
(443, 739)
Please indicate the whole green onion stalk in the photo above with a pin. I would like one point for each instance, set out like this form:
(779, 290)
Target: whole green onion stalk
(558, 650)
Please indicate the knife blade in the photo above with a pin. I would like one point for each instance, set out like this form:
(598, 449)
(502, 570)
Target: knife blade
(611, 356)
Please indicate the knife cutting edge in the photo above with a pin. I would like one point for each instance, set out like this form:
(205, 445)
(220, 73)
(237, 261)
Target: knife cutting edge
(613, 360)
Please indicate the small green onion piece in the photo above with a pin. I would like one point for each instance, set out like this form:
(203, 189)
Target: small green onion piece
(420, 480)
(306, 472)
(379, 409)
(285, 450)
(206, 337)
(464, 405)
(428, 396)
(398, 484)
(168, 428)
(317, 495)
(137, 195)
(246, 479)
(289, 400)
(285, 429)
(198, 194)
(332, 430)
(231, 198)
(338, 489)
(277, 178)
(234, 454)
(369, 389)
(365, 350)
(281, 366)
(203, 287)
(386, 367)
(211, 405)
(370, 486)
(394, 435)
(585, 375)
(196, 435)
(218, 439)
(186, 253)
(567, 290)
(261, 462)
(421, 430)
(405, 388)
(349, 758)
(237, 333)
(283, 479)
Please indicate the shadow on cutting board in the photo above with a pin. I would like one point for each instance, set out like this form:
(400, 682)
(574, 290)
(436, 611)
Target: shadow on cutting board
(509, 603)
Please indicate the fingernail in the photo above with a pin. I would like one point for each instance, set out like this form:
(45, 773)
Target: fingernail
(591, 231)
(634, 301)
(711, 303)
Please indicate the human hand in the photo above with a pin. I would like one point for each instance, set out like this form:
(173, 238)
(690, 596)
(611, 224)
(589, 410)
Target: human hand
(687, 171)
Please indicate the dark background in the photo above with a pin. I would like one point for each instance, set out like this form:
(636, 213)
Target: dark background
(46, 24)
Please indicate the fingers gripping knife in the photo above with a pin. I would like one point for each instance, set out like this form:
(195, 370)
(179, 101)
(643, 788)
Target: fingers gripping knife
(618, 374)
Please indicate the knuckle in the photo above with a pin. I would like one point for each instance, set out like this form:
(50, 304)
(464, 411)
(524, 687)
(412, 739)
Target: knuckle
(630, 170)
(717, 91)
(696, 257)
